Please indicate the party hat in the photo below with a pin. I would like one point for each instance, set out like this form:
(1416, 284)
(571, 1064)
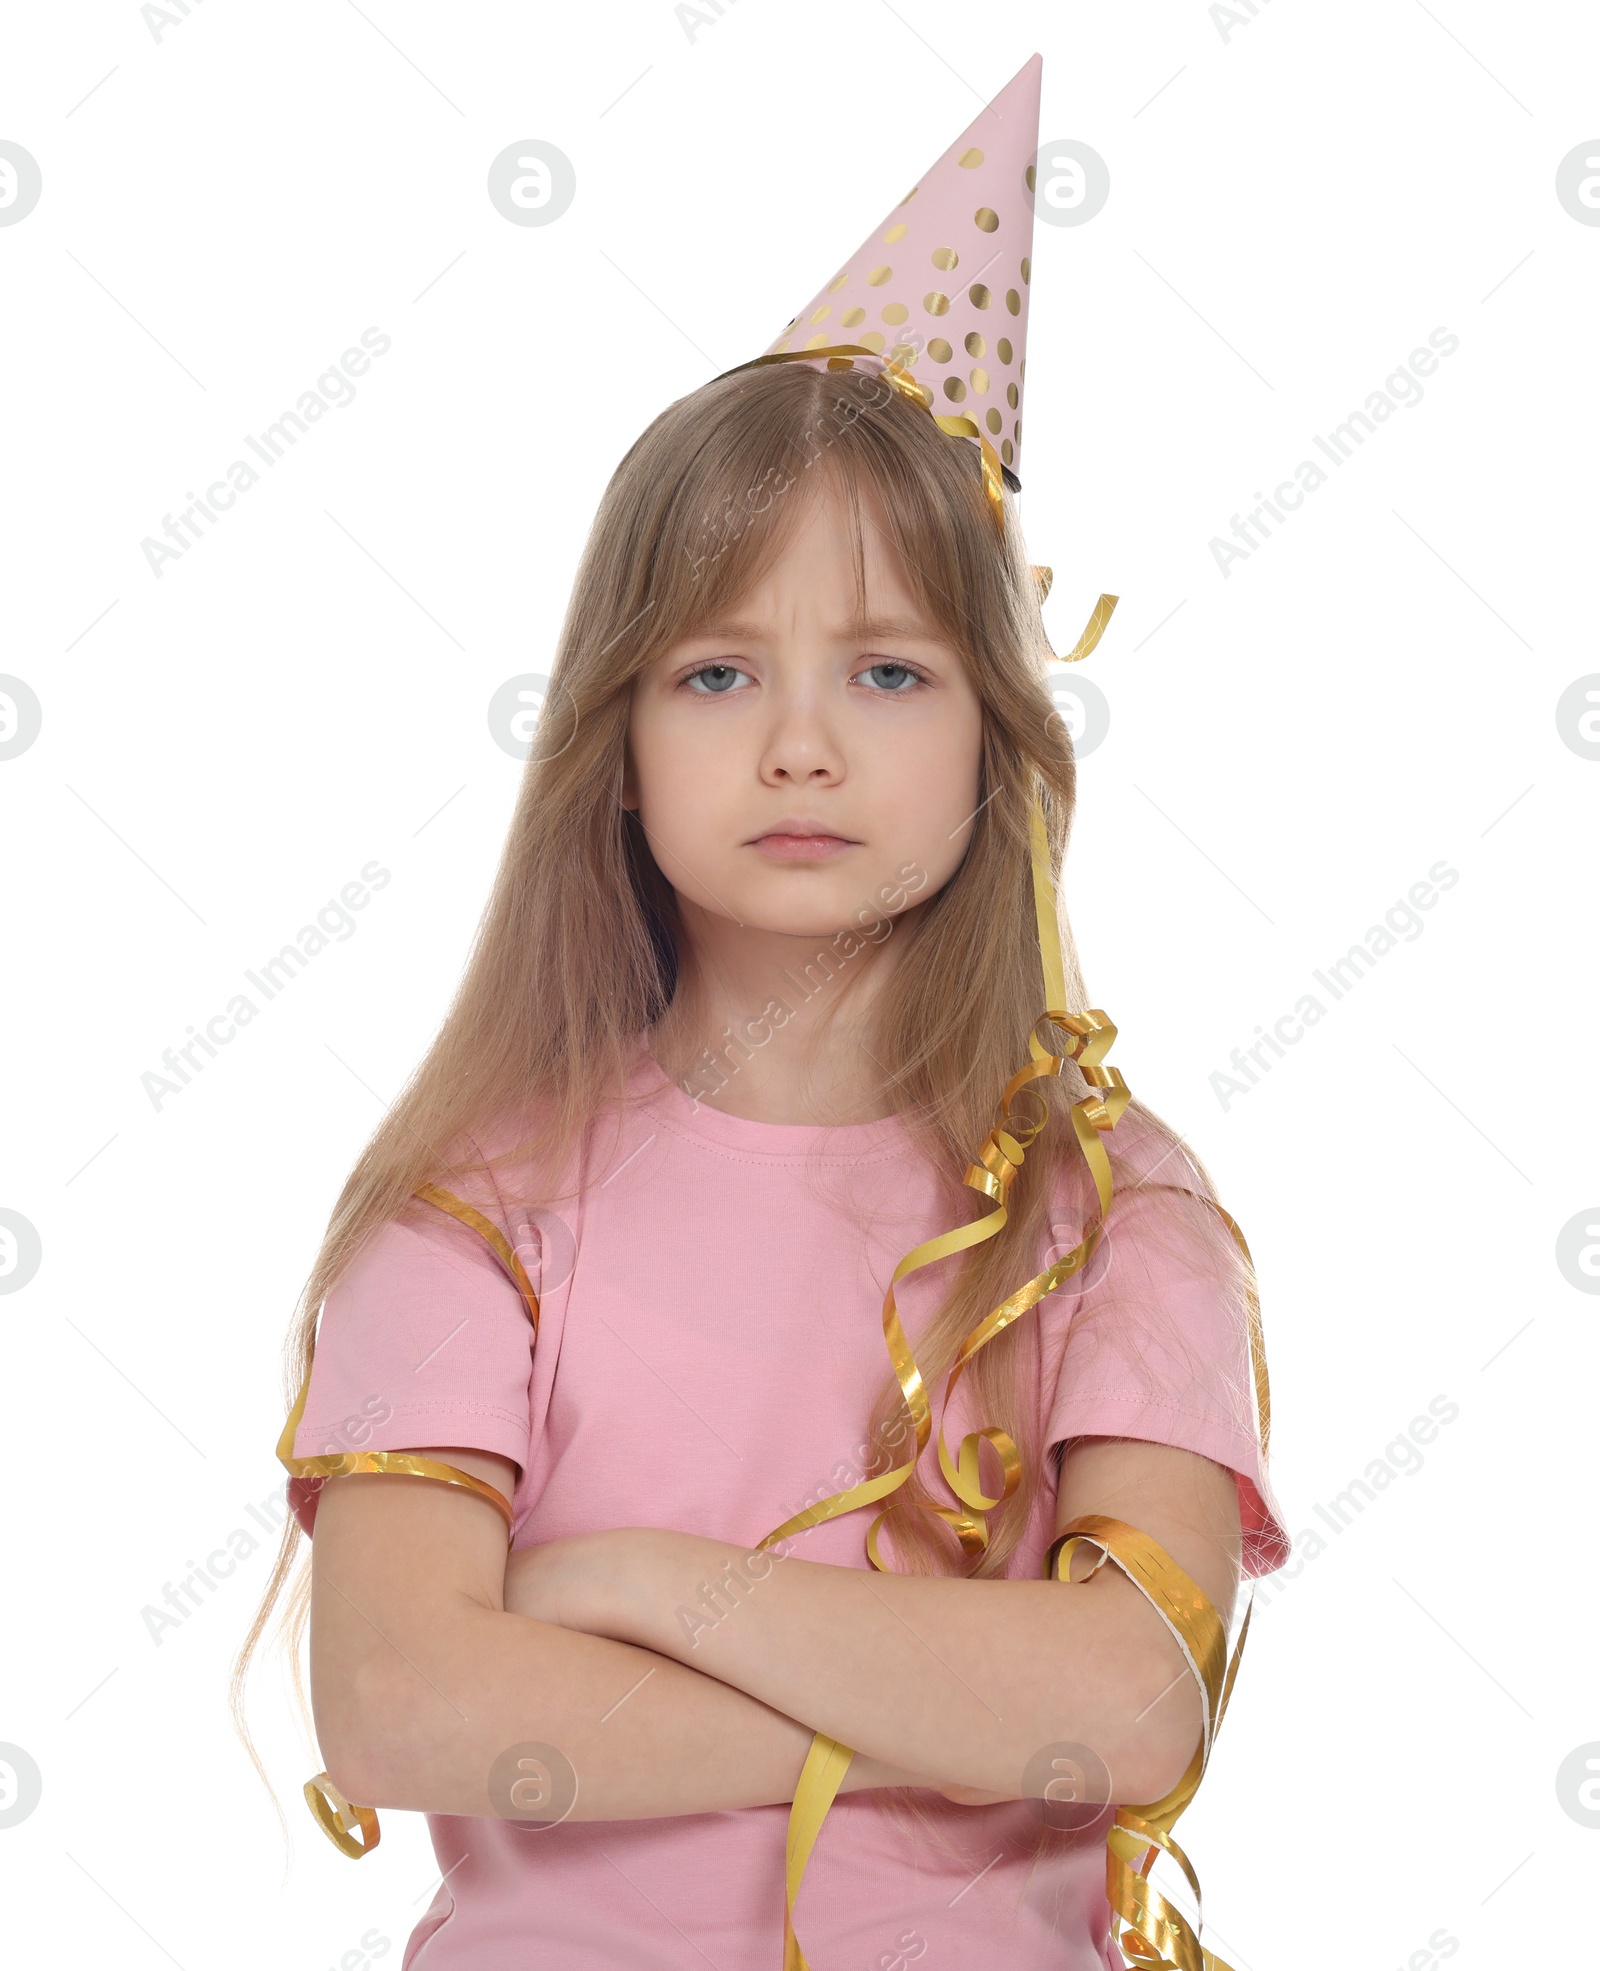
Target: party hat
(940, 284)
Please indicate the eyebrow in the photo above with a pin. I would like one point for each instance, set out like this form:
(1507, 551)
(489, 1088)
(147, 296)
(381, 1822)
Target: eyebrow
(867, 626)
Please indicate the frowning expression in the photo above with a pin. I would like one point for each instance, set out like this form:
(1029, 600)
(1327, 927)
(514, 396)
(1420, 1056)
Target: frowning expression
(800, 758)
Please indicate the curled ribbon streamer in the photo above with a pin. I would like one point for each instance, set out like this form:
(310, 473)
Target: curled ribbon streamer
(1100, 616)
(821, 1776)
(1157, 1936)
(338, 1818)
(335, 1815)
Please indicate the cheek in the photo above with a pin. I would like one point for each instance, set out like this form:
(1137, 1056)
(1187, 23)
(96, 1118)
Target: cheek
(931, 773)
(674, 777)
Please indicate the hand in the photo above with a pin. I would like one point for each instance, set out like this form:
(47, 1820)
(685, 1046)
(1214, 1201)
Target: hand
(622, 1582)
(565, 1582)
(578, 1583)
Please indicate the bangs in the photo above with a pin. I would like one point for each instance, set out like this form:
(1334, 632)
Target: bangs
(774, 441)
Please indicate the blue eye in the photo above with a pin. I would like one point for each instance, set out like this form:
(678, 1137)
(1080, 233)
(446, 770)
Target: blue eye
(893, 678)
(715, 679)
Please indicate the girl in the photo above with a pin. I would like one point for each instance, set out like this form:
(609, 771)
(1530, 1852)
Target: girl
(669, 1261)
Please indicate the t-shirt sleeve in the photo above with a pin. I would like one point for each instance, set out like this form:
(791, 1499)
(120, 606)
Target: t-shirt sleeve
(1158, 1348)
(424, 1341)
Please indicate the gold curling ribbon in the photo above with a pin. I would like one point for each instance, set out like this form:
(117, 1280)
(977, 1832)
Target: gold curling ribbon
(338, 1818)
(1157, 1936)
(335, 1815)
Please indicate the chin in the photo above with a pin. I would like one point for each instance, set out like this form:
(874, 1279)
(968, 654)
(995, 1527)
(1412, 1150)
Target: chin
(819, 923)
(826, 909)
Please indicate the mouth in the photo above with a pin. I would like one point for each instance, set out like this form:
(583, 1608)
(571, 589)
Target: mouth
(795, 840)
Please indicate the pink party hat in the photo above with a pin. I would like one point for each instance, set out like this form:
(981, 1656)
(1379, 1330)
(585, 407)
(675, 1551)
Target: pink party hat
(940, 284)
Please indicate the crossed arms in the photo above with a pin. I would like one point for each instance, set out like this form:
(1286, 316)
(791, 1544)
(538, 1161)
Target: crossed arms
(433, 1651)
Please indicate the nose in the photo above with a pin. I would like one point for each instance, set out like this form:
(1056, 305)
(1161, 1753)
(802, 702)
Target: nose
(802, 750)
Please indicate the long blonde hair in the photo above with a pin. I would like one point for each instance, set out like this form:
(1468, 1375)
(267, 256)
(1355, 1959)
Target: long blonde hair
(579, 948)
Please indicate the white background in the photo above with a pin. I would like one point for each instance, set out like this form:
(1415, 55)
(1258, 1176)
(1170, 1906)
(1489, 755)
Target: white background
(1296, 202)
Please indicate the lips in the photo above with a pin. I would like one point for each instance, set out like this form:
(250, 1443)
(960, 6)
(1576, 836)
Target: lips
(797, 839)
(799, 824)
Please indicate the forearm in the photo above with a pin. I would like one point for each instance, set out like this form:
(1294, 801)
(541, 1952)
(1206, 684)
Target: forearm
(644, 1735)
(971, 1677)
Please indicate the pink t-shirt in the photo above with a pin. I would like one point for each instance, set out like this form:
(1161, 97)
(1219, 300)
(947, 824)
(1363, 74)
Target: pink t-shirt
(710, 1344)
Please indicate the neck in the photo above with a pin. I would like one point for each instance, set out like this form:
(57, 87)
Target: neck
(779, 1028)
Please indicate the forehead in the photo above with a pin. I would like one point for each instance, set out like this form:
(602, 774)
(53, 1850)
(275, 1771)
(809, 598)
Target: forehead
(836, 559)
